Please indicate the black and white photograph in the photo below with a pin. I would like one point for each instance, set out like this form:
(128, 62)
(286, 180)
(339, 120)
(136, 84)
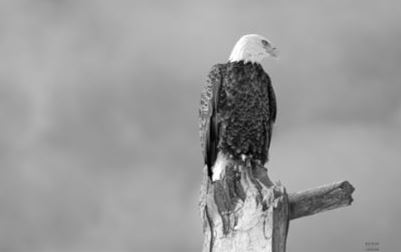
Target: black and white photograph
(200, 126)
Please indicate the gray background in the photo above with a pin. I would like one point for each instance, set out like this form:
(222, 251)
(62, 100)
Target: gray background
(98, 105)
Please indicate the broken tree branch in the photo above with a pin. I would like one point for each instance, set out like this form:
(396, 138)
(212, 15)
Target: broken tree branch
(320, 199)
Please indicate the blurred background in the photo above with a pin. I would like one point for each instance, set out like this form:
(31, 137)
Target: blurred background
(99, 146)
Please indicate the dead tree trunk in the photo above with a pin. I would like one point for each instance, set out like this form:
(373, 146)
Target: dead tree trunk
(245, 211)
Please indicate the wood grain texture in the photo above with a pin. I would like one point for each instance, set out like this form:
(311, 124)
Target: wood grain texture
(245, 211)
(241, 213)
(323, 198)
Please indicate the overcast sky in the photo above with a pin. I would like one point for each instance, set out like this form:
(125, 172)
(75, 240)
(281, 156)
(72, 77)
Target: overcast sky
(99, 146)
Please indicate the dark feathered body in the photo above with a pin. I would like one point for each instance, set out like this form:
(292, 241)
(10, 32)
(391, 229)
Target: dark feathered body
(238, 109)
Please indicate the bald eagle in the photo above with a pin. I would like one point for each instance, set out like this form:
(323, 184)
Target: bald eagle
(238, 107)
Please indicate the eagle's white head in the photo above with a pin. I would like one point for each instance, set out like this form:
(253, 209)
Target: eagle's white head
(252, 48)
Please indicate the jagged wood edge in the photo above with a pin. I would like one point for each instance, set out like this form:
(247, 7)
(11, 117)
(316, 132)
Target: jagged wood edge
(320, 199)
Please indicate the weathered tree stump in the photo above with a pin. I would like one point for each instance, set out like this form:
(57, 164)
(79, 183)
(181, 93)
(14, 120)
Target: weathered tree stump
(245, 211)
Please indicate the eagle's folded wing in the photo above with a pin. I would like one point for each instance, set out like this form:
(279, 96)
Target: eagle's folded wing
(208, 123)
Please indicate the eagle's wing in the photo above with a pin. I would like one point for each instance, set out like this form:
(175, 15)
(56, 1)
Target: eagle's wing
(272, 117)
(208, 123)
(272, 103)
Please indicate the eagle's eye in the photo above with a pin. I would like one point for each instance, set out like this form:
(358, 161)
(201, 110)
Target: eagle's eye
(265, 43)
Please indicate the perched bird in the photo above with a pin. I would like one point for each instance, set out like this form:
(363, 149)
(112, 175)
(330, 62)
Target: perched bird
(238, 107)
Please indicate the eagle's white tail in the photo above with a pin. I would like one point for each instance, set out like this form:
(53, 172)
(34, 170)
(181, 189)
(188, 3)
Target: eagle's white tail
(219, 166)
